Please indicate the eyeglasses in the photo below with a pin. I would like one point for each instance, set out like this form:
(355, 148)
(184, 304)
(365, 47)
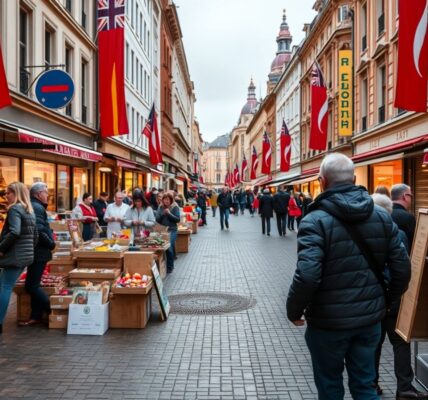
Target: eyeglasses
(408, 194)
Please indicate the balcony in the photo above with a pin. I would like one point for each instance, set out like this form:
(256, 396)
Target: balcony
(381, 114)
(381, 24)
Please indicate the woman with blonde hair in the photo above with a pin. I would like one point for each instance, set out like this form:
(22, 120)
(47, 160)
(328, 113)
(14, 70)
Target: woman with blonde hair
(17, 241)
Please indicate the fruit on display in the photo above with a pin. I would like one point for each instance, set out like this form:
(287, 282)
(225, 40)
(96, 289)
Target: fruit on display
(135, 280)
(48, 279)
(152, 242)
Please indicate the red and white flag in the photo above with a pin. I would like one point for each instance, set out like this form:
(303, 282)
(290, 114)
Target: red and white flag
(267, 155)
(254, 164)
(319, 111)
(236, 176)
(244, 167)
(412, 74)
(5, 99)
(231, 179)
(226, 179)
(285, 148)
(152, 133)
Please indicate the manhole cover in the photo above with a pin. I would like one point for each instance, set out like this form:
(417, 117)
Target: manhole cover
(210, 303)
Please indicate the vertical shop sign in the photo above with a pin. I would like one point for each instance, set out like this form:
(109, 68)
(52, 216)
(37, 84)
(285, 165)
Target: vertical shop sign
(345, 93)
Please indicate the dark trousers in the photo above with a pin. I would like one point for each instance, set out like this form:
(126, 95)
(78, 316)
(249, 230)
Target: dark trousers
(242, 207)
(204, 215)
(291, 222)
(170, 253)
(39, 299)
(265, 223)
(224, 217)
(214, 208)
(402, 355)
(281, 222)
(353, 348)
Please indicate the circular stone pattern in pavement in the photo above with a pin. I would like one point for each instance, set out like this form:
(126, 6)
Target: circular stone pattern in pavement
(209, 303)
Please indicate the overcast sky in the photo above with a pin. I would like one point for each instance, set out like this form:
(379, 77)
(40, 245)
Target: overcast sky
(227, 42)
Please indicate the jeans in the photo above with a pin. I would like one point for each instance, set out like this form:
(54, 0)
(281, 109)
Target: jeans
(8, 278)
(39, 299)
(281, 222)
(242, 207)
(265, 222)
(204, 215)
(291, 222)
(353, 348)
(214, 208)
(171, 251)
(224, 217)
(402, 355)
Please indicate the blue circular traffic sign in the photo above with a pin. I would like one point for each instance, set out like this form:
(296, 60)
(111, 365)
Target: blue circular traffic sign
(55, 89)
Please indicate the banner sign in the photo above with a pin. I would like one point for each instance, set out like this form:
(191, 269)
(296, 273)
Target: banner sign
(345, 93)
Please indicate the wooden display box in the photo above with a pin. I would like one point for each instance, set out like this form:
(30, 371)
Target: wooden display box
(194, 227)
(115, 263)
(130, 310)
(58, 321)
(61, 266)
(23, 302)
(60, 302)
(90, 274)
(138, 261)
(182, 243)
(141, 291)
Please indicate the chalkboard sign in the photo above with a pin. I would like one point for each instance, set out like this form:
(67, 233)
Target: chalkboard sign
(412, 320)
(160, 291)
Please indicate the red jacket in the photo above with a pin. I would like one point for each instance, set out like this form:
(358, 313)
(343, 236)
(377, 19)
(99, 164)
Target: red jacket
(293, 209)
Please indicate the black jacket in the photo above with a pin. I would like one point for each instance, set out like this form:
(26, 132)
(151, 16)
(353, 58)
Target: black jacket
(201, 201)
(170, 220)
(153, 201)
(100, 208)
(333, 285)
(405, 221)
(266, 206)
(46, 243)
(18, 238)
(280, 202)
(224, 200)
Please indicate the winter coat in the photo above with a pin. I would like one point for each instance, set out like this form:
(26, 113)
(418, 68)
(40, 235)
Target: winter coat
(213, 199)
(145, 215)
(280, 202)
(333, 285)
(405, 221)
(18, 238)
(201, 201)
(266, 206)
(46, 242)
(224, 200)
(293, 208)
(100, 208)
(170, 220)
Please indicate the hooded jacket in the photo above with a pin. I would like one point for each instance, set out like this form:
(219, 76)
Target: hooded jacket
(333, 285)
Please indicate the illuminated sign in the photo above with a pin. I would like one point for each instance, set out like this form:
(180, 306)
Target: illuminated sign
(345, 93)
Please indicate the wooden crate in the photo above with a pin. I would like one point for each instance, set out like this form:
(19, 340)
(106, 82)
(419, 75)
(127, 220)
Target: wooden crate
(130, 310)
(114, 263)
(182, 243)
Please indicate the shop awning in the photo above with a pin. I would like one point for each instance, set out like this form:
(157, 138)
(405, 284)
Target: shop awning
(303, 180)
(262, 181)
(61, 148)
(283, 180)
(157, 172)
(379, 160)
(121, 162)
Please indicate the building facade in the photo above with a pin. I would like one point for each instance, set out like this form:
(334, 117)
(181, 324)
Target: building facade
(215, 162)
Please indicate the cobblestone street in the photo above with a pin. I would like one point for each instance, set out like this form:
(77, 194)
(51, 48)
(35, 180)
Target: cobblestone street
(252, 354)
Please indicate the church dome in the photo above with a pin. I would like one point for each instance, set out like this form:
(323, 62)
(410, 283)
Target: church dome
(250, 106)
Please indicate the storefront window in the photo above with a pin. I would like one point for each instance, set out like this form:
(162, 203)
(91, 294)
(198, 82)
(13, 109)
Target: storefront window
(63, 188)
(80, 184)
(387, 174)
(9, 172)
(37, 171)
(128, 181)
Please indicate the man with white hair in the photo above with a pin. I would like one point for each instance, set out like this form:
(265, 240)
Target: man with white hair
(42, 254)
(115, 214)
(344, 243)
(401, 196)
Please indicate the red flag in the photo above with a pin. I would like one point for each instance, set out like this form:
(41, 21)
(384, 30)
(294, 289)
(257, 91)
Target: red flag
(151, 131)
(285, 148)
(412, 75)
(254, 164)
(267, 155)
(226, 179)
(111, 51)
(319, 111)
(232, 179)
(244, 167)
(236, 176)
(5, 99)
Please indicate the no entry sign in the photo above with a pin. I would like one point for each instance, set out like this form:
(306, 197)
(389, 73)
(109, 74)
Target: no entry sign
(55, 89)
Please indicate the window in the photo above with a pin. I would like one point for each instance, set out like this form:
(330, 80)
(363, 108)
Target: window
(48, 46)
(342, 13)
(381, 87)
(68, 5)
(37, 171)
(24, 75)
(63, 188)
(127, 60)
(145, 36)
(387, 174)
(69, 70)
(84, 14)
(132, 67)
(364, 101)
(84, 91)
(364, 27)
(380, 12)
(80, 184)
(218, 165)
(218, 178)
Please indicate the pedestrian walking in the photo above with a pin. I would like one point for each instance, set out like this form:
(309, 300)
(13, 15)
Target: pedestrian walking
(294, 211)
(242, 201)
(115, 215)
(100, 206)
(153, 199)
(201, 201)
(280, 205)
(140, 216)
(256, 202)
(17, 241)
(266, 210)
(214, 204)
(87, 215)
(401, 196)
(344, 244)
(42, 254)
(236, 203)
(299, 200)
(168, 214)
(224, 202)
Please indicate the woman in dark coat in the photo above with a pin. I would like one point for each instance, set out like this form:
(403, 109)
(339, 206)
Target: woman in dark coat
(266, 210)
(17, 242)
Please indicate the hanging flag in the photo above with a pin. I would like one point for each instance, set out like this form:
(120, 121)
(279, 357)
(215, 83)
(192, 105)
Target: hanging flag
(151, 131)
(195, 166)
(254, 164)
(244, 167)
(412, 72)
(319, 111)
(5, 99)
(285, 148)
(232, 179)
(236, 176)
(111, 51)
(226, 179)
(267, 155)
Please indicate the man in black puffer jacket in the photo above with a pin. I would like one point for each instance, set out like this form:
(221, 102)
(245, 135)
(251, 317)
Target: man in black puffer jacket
(334, 287)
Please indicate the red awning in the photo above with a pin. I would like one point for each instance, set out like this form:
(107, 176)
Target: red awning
(311, 171)
(391, 148)
(62, 148)
(122, 162)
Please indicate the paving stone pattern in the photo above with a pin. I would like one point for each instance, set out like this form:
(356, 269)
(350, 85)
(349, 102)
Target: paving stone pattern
(253, 354)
